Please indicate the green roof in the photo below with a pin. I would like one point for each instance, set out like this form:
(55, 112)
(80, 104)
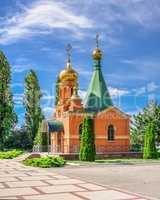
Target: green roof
(55, 126)
(97, 97)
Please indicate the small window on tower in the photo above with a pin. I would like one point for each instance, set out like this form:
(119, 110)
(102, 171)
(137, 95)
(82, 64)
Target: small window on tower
(111, 133)
(71, 91)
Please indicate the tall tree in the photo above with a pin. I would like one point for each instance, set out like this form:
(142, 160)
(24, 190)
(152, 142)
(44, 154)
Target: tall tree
(150, 151)
(87, 143)
(140, 121)
(33, 112)
(8, 117)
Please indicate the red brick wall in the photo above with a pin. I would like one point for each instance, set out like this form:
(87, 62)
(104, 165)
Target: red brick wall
(111, 116)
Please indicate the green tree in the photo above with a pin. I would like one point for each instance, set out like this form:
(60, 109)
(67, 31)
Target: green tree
(140, 121)
(87, 143)
(33, 112)
(149, 151)
(57, 91)
(8, 117)
(19, 139)
(41, 139)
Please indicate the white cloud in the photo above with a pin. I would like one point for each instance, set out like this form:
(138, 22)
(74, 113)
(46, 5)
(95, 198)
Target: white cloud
(82, 94)
(114, 92)
(140, 91)
(151, 87)
(42, 17)
(15, 85)
(117, 92)
(48, 111)
(18, 99)
(21, 68)
(48, 97)
(143, 68)
(83, 71)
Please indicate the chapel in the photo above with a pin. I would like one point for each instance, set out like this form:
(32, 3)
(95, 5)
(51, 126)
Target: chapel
(111, 125)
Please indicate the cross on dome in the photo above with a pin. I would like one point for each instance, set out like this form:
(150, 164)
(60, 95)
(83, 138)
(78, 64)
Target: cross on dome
(97, 40)
(69, 49)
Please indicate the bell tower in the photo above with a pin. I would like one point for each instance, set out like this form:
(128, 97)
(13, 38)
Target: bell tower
(68, 81)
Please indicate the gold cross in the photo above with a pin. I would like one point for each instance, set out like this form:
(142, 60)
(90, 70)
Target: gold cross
(69, 49)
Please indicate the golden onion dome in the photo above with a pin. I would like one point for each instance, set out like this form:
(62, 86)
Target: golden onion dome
(68, 74)
(97, 54)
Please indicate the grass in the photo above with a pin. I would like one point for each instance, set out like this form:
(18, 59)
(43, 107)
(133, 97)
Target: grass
(116, 161)
(45, 162)
(10, 154)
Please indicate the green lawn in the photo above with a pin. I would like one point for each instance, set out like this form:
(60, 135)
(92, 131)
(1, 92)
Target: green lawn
(115, 161)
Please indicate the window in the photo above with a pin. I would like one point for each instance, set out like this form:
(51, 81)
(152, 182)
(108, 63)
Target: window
(71, 91)
(111, 132)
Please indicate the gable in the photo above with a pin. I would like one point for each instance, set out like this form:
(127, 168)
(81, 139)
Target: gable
(113, 112)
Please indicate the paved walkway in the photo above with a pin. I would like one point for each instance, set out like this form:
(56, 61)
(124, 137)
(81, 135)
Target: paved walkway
(21, 182)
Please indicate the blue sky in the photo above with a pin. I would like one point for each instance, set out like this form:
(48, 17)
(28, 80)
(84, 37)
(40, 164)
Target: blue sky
(33, 35)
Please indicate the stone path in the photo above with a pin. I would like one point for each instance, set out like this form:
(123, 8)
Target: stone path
(21, 182)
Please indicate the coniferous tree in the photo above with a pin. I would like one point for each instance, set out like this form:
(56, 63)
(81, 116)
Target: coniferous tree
(41, 139)
(140, 121)
(150, 151)
(87, 143)
(8, 117)
(33, 112)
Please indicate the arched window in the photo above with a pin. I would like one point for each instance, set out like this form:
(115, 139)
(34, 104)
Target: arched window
(80, 130)
(71, 91)
(111, 133)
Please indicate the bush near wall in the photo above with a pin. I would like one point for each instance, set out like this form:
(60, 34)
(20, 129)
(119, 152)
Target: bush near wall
(45, 162)
(10, 154)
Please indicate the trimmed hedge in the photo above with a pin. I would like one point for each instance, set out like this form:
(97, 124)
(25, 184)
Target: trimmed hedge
(45, 162)
(87, 143)
(10, 154)
(150, 151)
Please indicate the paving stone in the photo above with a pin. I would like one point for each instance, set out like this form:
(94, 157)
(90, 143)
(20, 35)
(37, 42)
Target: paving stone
(64, 196)
(142, 199)
(91, 186)
(106, 195)
(1, 185)
(13, 175)
(60, 188)
(60, 177)
(2, 173)
(30, 178)
(40, 174)
(26, 183)
(8, 198)
(65, 181)
(6, 178)
(17, 191)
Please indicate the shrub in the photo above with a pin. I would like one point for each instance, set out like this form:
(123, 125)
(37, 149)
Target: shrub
(87, 144)
(10, 154)
(45, 162)
(150, 151)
